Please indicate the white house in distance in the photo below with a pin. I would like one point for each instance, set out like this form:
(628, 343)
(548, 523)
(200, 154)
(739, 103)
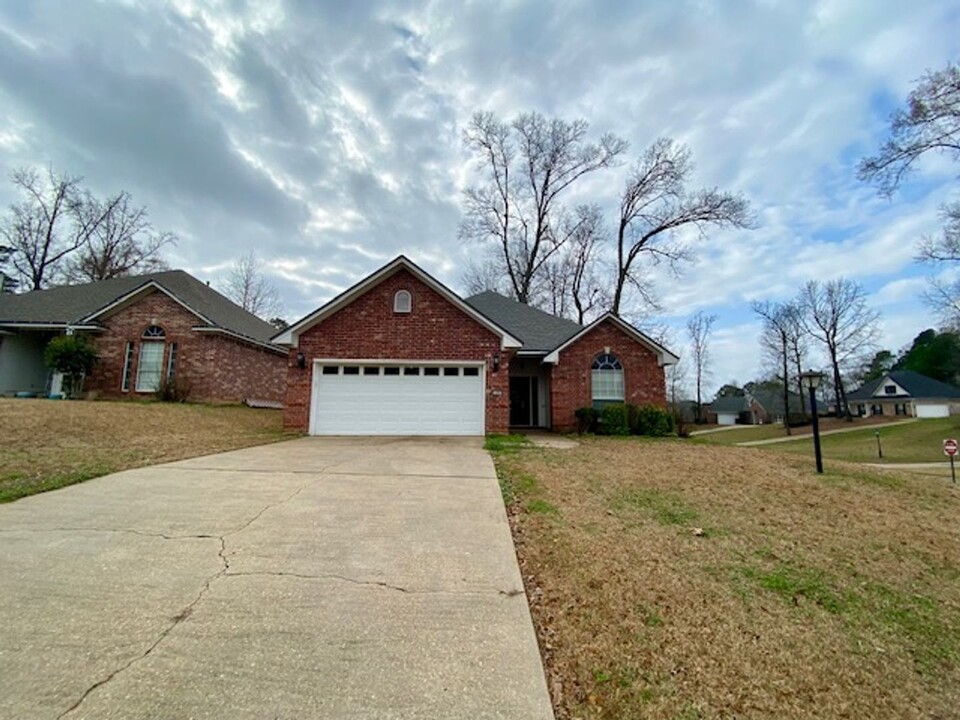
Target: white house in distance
(905, 393)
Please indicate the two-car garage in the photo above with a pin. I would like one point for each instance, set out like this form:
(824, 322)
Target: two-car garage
(379, 397)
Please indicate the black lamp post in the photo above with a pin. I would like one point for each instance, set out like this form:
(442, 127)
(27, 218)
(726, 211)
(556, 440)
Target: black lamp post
(811, 380)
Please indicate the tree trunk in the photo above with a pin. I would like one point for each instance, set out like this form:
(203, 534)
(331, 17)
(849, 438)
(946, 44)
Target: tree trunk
(786, 384)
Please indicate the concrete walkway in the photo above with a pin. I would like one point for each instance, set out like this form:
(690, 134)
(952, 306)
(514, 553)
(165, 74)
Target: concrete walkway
(317, 578)
(807, 436)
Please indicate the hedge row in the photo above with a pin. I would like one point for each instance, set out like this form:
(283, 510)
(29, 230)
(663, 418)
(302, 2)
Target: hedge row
(625, 419)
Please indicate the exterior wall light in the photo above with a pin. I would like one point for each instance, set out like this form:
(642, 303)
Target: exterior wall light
(496, 361)
(301, 360)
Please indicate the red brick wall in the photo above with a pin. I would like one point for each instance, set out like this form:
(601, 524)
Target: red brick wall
(368, 328)
(643, 378)
(219, 369)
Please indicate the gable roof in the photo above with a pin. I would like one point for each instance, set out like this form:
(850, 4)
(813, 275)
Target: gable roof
(539, 331)
(729, 404)
(401, 262)
(83, 304)
(664, 356)
(771, 400)
(918, 387)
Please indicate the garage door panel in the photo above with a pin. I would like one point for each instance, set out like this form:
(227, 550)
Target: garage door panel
(404, 404)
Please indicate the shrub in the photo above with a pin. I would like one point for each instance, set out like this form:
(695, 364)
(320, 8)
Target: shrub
(614, 419)
(173, 390)
(75, 357)
(653, 422)
(586, 419)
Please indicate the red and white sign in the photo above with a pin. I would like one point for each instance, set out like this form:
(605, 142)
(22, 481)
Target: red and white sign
(950, 447)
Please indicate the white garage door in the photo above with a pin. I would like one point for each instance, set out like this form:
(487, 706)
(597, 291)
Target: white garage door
(394, 399)
(932, 410)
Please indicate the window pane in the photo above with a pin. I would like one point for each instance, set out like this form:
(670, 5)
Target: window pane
(471, 371)
(411, 371)
(451, 371)
(391, 371)
(351, 370)
(150, 366)
(371, 370)
(127, 363)
(433, 371)
(330, 369)
(172, 362)
(607, 384)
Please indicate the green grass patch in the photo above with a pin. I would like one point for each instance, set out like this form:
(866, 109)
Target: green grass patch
(16, 485)
(925, 626)
(505, 443)
(666, 508)
(915, 442)
(543, 507)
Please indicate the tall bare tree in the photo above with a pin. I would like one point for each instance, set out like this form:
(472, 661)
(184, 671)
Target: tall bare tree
(836, 315)
(699, 328)
(655, 204)
(572, 284)
(247, 286)
(526, 166)
(797, 348)
(123, 243)
(929, 124)
(54, 219)
(775, 340)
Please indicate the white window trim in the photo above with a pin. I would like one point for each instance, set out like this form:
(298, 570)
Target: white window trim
(403, 302)
(127, 360)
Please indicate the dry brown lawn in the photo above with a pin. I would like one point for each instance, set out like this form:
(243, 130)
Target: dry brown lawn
(48, 444)
(681, 581)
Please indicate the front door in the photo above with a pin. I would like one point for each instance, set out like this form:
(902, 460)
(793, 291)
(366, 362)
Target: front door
(523, 401)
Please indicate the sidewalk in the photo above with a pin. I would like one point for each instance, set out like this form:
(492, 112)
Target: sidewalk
(790, 438)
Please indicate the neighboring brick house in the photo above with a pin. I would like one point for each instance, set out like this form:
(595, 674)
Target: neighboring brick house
(401, 354)
(906, 393)
(165, 325)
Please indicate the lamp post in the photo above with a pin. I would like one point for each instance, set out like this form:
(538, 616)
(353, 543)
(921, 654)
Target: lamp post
(811, 380)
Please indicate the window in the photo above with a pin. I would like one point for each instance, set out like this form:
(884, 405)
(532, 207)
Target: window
(411, 371)
(154, 332)
(371, 370)
(876, 409)
(351, 370)
(890, 389)
(330, 370)
(391, 371)
(470, 372)
(172, 361)
(451, 371)
(402, 301)
(127, 365)
(431, 371)
(150, 366)
(606, 380)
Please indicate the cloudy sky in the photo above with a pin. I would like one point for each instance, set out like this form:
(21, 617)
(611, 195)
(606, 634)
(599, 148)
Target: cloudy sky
(327, 135)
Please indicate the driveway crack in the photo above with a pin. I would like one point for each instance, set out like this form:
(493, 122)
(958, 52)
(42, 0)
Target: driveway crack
(374, 583)
(188, 610)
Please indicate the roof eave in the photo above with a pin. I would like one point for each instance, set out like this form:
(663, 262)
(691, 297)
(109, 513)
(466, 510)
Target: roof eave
(664, 356)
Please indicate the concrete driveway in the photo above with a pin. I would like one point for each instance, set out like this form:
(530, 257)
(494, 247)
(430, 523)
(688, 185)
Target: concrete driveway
(316, 578)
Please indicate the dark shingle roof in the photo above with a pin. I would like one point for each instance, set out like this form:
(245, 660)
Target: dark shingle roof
(73, 303)
(771, 400)
(919, 387)
(537, 330)
(729, 404)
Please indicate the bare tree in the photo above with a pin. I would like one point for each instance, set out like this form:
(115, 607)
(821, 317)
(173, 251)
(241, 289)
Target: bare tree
(655, 204)
(484, 274)
(929, 123)
(248, 288)
(526, 165)
(836, 314)
(53, 220)
(775, 339)
(699, 328)
(8, 283)
(797, 347)
(572, 285)
(123, 243)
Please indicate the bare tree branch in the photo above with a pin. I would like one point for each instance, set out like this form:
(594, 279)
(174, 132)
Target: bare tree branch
(248, 288)
(655, 204)
(699, 328)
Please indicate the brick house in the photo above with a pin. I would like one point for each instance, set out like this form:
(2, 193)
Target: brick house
(145, 329)
(401, 354)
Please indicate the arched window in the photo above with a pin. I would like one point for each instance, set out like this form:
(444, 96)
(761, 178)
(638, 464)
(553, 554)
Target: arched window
(402, 301)
(606, 380)
(150, 364)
